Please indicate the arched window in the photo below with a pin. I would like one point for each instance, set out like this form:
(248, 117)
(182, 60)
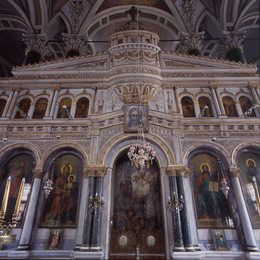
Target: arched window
(60, 208)
(187, 107)
(2, 106)
(23, 108)
(246, 104)
(248, 162)
(40, 108)
(15, 185)
(230, 107)
(205, 107)
(64, 108)
(212, 207)
(82, 108)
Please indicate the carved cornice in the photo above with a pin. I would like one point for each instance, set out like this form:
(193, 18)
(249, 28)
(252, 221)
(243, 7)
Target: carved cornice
(178, 170)
(94, 171)
(234, 172)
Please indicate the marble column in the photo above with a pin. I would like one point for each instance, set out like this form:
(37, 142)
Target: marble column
(177, 99)
(216, 94)
(29, 218)
(215, 99)
(82, 211)
(91, 239)
(242, 210)
(54, 101)
(4, 115)
(174, 207)
(197, 109)
(253, 87)
(187, 239)
(31, 110)
(239, 109)
(13, 103)
(48, 109)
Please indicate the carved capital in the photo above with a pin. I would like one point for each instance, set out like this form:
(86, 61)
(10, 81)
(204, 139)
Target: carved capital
(253, 84)
(56, 87)
(37, 173)
(78, 42)
(234, 172)
(35, 42)
(178, 170)
(232, 39)
(94, 171)
(213, 84)
(191, 41)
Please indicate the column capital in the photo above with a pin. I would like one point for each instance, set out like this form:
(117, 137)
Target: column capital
(35, 42)
(16, 88)
(56, 87)
(214, 84)
(234, 172)
(37, 173)
(191, 41)
(232, 39)
(94, 171)
(253, 84)
(178, 170)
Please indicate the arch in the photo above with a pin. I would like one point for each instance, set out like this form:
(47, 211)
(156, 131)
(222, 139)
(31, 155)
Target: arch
(4, 153)
(229, 106)
(221, 151)
(82, 107)
(64, 106)
(240, 147)
(40, 107)
(120, 143)
(246, 103)
(76, 147)
(205, 105)
(187, 106)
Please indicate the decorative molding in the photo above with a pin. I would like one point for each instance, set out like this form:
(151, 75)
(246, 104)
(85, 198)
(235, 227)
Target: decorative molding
(38, 173)
(94, 171)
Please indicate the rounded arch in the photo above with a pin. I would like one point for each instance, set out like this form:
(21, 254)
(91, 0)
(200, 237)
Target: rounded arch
(212, 148)
(65, 146)
(118, 144)
(244, 145)
(8, 150)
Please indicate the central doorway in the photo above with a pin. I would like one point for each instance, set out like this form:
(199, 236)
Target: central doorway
(137, 223)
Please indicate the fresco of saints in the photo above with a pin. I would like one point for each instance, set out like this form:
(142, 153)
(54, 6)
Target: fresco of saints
(61, 205)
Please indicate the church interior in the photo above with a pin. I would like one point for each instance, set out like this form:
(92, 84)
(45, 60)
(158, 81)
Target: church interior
(130, 129)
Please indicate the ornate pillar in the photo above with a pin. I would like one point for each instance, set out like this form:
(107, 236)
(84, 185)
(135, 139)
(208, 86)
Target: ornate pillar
(73, 108)
(13, 102)
(197, 109)
(91, 239)
(191, 43)
(54, 100)
(253, 87)
(76, 45)
(217, 99)
(239, 109)
(29, 218)
(177, 99)
(31, 110)
(82, 210)
(232, 43)
(242, 210)
(7, 105)
(174, 206)
(36, 47)
(48, 109)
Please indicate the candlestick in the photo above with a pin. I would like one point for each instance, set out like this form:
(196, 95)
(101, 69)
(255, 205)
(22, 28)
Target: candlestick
(5, 198)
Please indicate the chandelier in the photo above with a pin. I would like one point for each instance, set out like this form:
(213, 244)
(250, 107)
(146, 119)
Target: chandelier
(141, 155)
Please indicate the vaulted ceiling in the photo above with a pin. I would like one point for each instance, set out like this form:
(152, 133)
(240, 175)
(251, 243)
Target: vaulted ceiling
(97, 19)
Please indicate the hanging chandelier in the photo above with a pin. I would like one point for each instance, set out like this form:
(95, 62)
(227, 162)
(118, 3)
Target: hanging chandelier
(141, 155)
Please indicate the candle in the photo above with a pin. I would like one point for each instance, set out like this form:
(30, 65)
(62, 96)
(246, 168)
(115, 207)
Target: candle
(5, 198)
(18, 200)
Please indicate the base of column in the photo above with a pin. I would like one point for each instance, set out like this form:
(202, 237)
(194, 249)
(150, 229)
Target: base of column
(251, 248)
(77, 247)
(91, 248)
(190, 249)
(23, 247)
(179, 249)
(197, 248)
